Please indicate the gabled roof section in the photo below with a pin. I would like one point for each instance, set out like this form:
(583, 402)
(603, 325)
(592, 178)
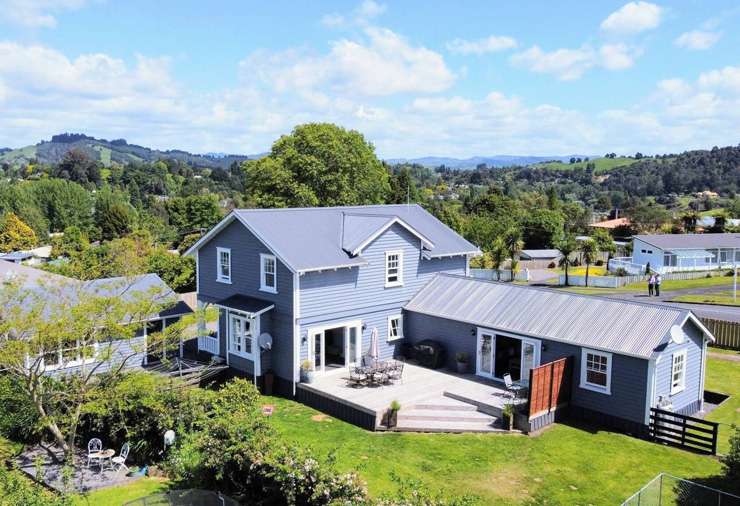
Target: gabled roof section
(318, 238)
(625, 327)
(691, 241)
(359, 230)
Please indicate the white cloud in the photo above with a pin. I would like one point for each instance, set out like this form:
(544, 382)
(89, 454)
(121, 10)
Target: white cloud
(571, 64)
(361, 15)
(35, 13)
(382, 64)
(633, 17)
(491, 44)
(697, 40)
(727, 78)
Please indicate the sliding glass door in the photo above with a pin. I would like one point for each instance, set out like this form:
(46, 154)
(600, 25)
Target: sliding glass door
(501, 354)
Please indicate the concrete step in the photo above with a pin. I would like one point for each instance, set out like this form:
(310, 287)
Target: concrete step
(447, 415)
(489, 408)
(448, 426)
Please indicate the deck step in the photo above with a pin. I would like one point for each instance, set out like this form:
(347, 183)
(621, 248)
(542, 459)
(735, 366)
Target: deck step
(446, 415)
(443, 403)
(447, 426)
(487, 407)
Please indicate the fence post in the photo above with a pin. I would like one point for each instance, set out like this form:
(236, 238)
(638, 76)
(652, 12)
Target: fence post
(660, 490)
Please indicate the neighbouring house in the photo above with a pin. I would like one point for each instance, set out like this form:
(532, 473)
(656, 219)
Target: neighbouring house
(316, 284)
(627, 356)
(134, 350)
(619, 228)
(681, 252)
(538, 258)
(33, 256)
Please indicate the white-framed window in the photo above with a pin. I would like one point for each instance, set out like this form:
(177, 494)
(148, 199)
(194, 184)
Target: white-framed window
(678, 372)
(395, 327)
(70, 356)
(223, 265)
(596, 370)
(240, 335)
(268, 273)
(393, 268)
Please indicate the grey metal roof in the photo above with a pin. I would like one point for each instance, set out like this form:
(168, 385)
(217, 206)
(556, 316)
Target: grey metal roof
(16, 255)
(246, 304)
(540, 253)
(691, 241)
(314, 238)
(625, 327)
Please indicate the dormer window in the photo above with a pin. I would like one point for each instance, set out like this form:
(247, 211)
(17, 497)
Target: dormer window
(268, 273)
(393, 268)
(223, 267)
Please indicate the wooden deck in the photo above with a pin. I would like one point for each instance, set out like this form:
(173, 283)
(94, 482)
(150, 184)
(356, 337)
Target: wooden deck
(420, 388)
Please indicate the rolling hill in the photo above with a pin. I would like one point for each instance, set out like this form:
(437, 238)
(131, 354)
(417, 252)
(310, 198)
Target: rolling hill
(473, 162)
(107, 152)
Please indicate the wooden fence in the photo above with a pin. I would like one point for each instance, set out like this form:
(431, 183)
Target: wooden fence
(683, 431)
(549, 386)
(726, 333)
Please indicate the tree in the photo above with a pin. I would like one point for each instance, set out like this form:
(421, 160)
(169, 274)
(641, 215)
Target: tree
(403, 187)
(71, 243)
(78, 167)
(731, 460)
(63, 203)
(193, 213)
(604, 243)
(541, 227)
(58, 321)
(499, 253)
(175, 270)
(114, 216)
(513, 241)
(720, 222)
(689, 220)
(15, 235)
(566, 245)
(318, 164)
(588, 253)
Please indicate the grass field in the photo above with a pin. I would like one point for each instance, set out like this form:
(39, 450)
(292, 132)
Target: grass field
(563, 465)
(724, 298)
(602, 164)
(666, 286)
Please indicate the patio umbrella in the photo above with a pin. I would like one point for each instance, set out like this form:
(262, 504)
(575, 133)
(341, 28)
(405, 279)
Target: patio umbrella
(373, 351)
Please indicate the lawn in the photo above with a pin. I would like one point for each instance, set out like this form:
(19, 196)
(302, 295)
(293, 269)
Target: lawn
(724, 376)
(666, 286)
(724, 298)
(118, 495)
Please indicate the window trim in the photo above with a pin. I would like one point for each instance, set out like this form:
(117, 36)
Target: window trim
(77, 362)
(219, 275)
(584, 370)
(676, 389)
(399, 275)
(390, 338)
(263, 286)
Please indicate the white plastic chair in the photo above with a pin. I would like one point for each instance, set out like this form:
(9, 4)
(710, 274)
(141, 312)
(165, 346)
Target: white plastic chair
(94, 447)
(120, 461)
(513, 388)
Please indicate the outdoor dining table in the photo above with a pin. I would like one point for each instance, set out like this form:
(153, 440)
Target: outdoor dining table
(102, 456)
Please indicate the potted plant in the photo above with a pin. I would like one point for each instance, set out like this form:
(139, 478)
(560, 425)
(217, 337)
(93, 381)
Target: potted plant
(306, 372)
(462, 359)
(392, 414)
(507, 420)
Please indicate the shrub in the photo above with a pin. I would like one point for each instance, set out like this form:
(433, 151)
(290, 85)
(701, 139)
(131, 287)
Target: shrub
(731, 460)
(621, 272)
(462, 357)
(19, 420)
(552, 265)
(599, 262)
(17, 489)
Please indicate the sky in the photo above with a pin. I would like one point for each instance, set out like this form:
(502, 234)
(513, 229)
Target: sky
(417, 78)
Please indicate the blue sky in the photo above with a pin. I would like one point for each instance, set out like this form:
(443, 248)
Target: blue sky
(456, 79)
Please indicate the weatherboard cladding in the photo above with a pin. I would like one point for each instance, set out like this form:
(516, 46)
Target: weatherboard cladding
(691, 241)
(356, 228)
(311, 238)
(664, 369)
(620, 326)
(245, 280)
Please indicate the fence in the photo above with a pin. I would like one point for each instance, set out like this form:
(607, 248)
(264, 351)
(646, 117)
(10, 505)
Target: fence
(683, 431)
(184, 498)
(549, 386)
(500, 275)
(668, 490)
(726, 333)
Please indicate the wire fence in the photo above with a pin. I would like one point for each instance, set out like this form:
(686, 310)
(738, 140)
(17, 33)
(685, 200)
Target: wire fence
(668, 490)
(184, 498)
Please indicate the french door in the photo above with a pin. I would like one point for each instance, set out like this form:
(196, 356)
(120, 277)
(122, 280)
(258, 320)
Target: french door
(351, 345)
(484, 361)
(528, 356)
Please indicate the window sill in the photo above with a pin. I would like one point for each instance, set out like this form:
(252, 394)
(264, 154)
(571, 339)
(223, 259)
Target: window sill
(224, 281)
(242, 355)
(392, 339)
(596, 388)
(393, 285)
(678, 391)
(267, 289)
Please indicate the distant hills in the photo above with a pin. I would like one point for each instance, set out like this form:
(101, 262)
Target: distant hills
(107, 152)
(473, 162)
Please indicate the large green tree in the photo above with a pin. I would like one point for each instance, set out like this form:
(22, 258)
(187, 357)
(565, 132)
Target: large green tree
(114, 215)
(318, 164)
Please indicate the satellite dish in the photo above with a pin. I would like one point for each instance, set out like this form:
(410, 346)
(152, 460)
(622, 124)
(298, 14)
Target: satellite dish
(678, 336)
(169, 438)
(265, 341)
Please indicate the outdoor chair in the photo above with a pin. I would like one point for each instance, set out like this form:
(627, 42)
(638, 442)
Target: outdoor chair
(395, 370)
(512, 388)
(120, 461)
(357, 376)
(94, 447)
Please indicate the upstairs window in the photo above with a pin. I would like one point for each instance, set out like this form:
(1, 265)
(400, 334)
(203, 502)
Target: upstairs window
(71, 356)
(268, 273)
(393, 268)
(395, 327)
(678, 372)
(596, 371)
(223, 267)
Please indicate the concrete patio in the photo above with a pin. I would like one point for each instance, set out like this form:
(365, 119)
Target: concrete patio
(431, 400)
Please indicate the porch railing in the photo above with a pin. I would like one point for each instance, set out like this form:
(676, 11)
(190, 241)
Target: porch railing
(208, 344)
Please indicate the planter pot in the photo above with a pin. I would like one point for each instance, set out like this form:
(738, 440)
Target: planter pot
(506, 423)
(307, 376)
(268, 381)
(462, 367)
(391, 418)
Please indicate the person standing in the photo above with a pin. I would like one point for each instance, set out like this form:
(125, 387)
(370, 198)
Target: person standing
(657, 284)
(651, 285)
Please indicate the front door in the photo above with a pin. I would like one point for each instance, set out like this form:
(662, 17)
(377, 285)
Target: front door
(336, 347)
(484, 361)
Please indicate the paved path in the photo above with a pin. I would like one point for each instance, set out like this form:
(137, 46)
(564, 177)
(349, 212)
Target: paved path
(724, 356)
(727, 313)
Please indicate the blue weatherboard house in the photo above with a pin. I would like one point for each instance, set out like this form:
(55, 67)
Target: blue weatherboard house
(314, 285)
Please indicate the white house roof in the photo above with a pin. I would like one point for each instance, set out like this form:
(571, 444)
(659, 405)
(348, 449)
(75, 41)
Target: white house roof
(691, 241)
(540, 254)
(619, 326)
(316, 238)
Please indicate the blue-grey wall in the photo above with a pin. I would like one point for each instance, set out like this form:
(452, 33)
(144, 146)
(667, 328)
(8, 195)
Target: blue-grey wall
(628, 380)
(663, 370)
(131, 350)
(245, 280)
(360, 293)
